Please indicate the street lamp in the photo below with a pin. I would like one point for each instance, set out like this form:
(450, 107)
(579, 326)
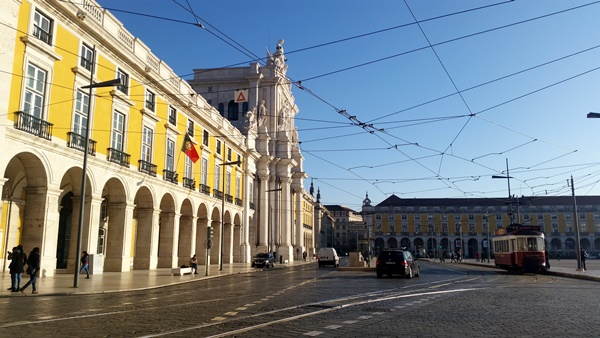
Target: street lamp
(489, 245)
(221, 241)
(92, 85)
(507, 177)
(462, 251)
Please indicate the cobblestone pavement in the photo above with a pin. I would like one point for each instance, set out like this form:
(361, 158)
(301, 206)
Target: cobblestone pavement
(447, 300)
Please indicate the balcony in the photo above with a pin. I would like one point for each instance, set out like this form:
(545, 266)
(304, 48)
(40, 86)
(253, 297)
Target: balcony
(170, 176)
(41, 34)
(238, 202)
(118, 157)
(218, 193)
(189, 183)
(228, 198)
(205, 189)
(77, 141)
(252, 206)
(147, 167)
(33, 125)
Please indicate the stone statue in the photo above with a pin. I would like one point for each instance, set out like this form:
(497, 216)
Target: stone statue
(295, 136)
(251, 118)
(277, 60)
(262, 114)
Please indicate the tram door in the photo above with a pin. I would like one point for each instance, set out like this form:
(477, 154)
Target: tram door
(513, 251)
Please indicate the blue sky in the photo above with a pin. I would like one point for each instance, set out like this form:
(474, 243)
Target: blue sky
(450, 98)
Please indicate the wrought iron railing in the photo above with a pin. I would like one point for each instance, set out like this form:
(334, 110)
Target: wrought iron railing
(118, 157)
(77, 141)
(189, 183)
(228, 198)
(42, 34)
(252, 206)
(147, 167)
(218, 193)
(170, 176)
(205, 189)
(33, 125)
(238, 202)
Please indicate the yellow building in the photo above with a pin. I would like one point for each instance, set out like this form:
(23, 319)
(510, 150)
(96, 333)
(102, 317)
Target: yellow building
(442, 225)
(147, 204)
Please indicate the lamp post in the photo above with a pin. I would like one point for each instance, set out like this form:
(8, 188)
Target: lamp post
(507, 177)
(92, 85)
(221, 240)
(462, 250)
(487, 223)
(9, 196)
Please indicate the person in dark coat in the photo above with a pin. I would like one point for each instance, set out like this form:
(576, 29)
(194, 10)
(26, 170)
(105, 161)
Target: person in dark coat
(12, 278)
(84, 261)
(583, 257)
(17, 268)
(33, 262)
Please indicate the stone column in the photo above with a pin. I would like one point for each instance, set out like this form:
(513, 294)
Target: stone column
(143, 240)
(119, 246)
(263, 223)
(299, 224)
(169, 236)
(40, 225)
(285, 246)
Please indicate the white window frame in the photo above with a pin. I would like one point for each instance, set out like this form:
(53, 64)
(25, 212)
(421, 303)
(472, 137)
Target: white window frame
(124, 77)
(204, 172)
(172, 118)
(150, 100)
(170, 155)
(86, 57)
(80, 111)
(34, 96)
(147, 143)
(188, 168)
(45, 24)
(117, 134)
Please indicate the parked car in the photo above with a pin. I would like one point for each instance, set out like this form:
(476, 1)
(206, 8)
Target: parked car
(397, 261)
(265, 259)
(328, 256)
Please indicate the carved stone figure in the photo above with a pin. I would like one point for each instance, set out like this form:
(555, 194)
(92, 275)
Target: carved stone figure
(251, 118)
(262, 114)
(277, 60)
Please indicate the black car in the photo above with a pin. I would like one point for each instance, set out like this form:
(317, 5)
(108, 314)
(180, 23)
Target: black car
(263, 259)
(398, 262)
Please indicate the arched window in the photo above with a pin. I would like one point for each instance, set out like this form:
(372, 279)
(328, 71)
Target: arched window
(232, 111)
(222, 109)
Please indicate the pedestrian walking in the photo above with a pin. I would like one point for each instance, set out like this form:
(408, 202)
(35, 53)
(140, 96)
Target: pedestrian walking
(33, 268)
(547, 259)
(477, 257)
(583, 257)
(194, 264)
(16, 267)
(85, 260)
(558, 256)
(304, 256)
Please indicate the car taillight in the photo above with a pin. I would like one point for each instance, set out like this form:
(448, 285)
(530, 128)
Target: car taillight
(405, 263)
(377, 261)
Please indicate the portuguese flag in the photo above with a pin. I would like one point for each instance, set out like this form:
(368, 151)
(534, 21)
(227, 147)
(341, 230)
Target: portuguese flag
(189, 149)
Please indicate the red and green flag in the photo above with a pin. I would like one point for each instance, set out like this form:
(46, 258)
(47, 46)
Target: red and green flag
(189, 149)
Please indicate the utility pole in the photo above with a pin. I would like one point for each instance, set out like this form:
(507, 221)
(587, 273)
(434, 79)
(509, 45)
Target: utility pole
(575, 218)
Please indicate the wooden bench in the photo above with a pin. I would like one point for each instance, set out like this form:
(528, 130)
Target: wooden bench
(182, 271)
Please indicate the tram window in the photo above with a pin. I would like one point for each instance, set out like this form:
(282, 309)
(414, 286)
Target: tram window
(532, 244)
(521, 244)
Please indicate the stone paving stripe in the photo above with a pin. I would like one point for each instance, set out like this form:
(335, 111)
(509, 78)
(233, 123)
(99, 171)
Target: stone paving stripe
(219, 318)
(241, 308)
(313, 333)
(378, 313)
(350, 322)
(400, 306)
(333, 327)
(364, 317)
(251, 304)
(231, 313)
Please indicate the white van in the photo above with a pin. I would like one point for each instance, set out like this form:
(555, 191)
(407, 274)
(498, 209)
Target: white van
(328, 256)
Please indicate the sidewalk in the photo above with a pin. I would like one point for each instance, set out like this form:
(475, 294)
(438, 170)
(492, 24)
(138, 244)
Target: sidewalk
(563, 268)
(107, 282)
